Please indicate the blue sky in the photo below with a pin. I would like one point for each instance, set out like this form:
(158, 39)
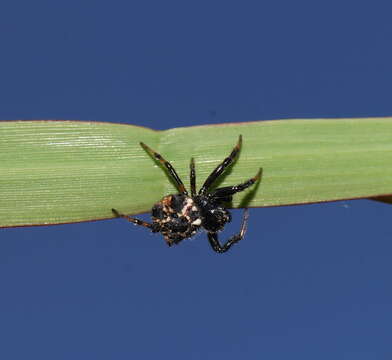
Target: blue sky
(308, 282)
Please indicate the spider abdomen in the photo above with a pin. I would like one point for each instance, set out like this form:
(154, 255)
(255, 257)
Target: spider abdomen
(177, 217)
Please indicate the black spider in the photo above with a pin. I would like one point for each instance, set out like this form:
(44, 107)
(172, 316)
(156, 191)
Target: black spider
(180, 216)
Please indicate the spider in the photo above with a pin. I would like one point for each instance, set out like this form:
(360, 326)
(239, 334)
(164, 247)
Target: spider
(180, 216)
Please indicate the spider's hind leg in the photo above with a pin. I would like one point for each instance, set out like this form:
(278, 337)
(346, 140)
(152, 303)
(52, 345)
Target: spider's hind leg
(215, 244)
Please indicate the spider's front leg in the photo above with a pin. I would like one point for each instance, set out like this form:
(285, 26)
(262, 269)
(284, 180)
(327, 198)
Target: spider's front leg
(135, 221)
(215, 244)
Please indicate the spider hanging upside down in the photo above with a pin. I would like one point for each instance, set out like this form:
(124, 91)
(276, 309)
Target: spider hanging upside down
(180, 216)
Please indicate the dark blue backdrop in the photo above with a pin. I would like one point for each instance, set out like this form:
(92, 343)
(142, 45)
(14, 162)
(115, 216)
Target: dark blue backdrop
(310, 282)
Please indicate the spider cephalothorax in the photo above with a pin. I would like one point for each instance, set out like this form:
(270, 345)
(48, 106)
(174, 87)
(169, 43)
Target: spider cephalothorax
(180, 216)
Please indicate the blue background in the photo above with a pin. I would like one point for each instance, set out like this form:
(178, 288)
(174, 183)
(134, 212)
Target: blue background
(308, 282)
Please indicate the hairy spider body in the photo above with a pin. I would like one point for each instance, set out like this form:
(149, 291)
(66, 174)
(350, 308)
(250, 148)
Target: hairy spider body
(176, 217)
(180, 216)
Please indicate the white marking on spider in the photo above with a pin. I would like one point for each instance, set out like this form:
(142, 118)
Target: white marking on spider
(197, 222)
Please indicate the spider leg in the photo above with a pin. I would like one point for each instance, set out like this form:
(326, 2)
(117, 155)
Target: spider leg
(169, 167)
(228, 191)
(193, 178)
(221, 167)
(215, 244)
(133, 220)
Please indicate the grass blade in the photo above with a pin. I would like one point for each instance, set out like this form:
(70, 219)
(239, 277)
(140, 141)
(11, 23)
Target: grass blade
(70, 171)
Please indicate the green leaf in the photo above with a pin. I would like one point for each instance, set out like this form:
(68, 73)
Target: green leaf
(70, 171)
